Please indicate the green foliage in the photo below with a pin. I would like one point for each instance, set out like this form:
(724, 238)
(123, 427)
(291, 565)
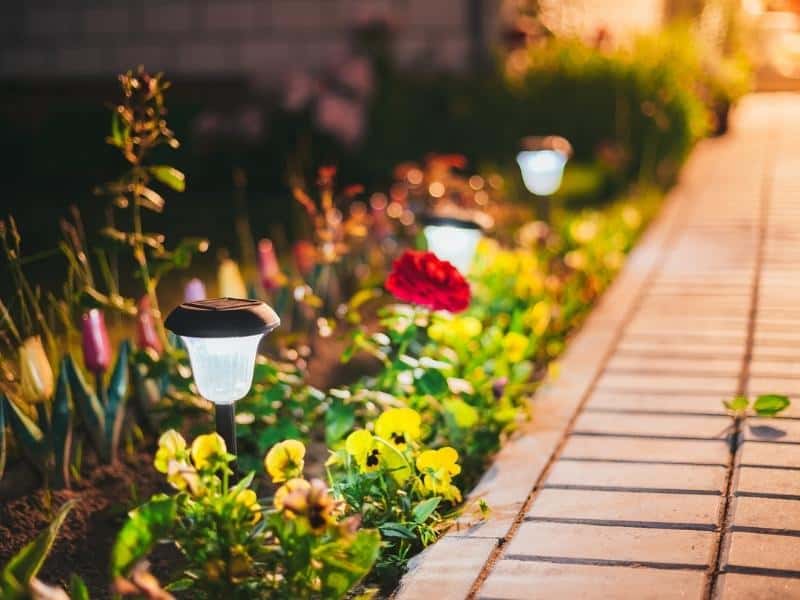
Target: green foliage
(102, 417)
(46, 439)
(279, 406)
(766, 405)
(233, 545)
(18, 580)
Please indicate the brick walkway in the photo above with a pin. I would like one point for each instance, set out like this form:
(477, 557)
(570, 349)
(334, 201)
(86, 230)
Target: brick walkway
(631, 481)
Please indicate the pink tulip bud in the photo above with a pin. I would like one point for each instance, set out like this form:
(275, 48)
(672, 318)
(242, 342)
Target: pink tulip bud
(268, 267)
(146, 334)
(194, 291)
(305, 257)
(96, 345)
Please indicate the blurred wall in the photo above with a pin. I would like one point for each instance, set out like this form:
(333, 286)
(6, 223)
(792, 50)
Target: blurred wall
(261, 40)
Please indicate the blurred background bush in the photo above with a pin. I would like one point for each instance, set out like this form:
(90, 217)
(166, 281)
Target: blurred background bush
(273, 89)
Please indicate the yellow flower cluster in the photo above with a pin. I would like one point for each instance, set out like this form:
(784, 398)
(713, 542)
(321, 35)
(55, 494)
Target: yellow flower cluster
(298, 497)
(183, 467)
(393, 450)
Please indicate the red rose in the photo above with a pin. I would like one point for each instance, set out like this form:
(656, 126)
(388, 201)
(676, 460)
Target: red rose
(421, 278)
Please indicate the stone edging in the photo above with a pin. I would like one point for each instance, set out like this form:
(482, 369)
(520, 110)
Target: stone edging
(454, 566)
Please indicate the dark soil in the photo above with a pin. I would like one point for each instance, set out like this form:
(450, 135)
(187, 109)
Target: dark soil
(84, 542)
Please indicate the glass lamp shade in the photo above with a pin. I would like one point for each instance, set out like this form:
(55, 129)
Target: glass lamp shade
(222, 336)
(542, 170)
(453, 240)
(223, 367)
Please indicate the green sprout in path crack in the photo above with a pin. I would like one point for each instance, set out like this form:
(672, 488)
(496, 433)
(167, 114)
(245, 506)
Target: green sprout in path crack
(766, 405)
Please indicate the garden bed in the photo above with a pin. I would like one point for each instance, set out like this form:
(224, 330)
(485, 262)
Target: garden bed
(393, 381)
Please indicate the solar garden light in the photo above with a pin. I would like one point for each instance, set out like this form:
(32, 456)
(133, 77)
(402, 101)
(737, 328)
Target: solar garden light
(222, 337)
(451, 239)
(542, 162)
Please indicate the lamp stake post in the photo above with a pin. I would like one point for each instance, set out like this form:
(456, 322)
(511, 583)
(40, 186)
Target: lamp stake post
(222, 337)
(541, 163)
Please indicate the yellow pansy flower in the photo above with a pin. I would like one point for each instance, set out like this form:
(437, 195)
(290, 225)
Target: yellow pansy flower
(372, 453)
(537, 317)
(208, 451)
(583, 230)
(514, 346)
(455, 331)
(171, 446)
(463, 414)
(249, 500)
(181, 475)
(437, 468)
(292, 486)
(399, 426)
(361, 446)
(285, 460)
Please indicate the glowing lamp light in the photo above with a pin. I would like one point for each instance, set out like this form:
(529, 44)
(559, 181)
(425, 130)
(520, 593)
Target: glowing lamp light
(453, 240)
(542, 163)
(222, 337)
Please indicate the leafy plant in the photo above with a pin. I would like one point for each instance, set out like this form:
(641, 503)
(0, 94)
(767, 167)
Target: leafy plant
(102, 413)
(19, 576)
(398, 486)
(766, 405)
(233, 545)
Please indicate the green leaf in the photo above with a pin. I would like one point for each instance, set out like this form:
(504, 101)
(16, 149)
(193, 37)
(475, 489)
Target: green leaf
(738, 404)
(26, 563)
(77, 588)
(339, 420)
(169, 176)
(89, 407)
(117, 137)
(180, 585)
(117, 398)
(146, 525)
(425, 509)
(433, 382)
(346, 563)
(27, 433)
(397, 530)
(61, 428)
(769, 405)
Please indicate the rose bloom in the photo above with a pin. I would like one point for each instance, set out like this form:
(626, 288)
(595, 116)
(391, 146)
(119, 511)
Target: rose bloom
(421, 278)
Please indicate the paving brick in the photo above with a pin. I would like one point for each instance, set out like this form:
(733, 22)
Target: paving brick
(627, 449)
(678, 347)
(627, 506)
(567, 540)
(447, 570)
(678, 365)
(776, 430)
(669, 383)
(522, 580)
(736, 586)
(654, 402)
(507, 484)
(767, 481)
(763, 550)
(773, 385)
(691, 426)
(610, 474)
(764, 453)
(769, 513)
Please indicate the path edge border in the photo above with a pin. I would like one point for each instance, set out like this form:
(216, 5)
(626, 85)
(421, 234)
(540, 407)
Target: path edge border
(453, 567)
